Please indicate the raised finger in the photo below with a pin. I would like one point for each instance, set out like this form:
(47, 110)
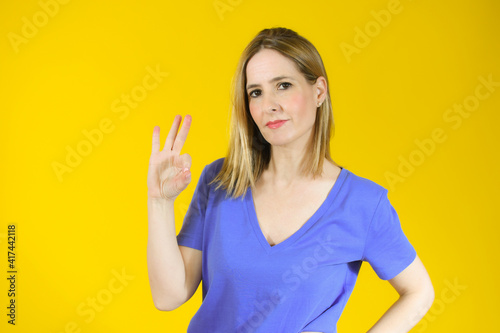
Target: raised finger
(169, 141)
(156, 139)
(181, 137)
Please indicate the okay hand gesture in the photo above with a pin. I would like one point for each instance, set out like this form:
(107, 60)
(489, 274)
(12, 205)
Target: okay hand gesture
(168, 173)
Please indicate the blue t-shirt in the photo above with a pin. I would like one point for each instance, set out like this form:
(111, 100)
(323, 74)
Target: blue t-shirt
(302, 283)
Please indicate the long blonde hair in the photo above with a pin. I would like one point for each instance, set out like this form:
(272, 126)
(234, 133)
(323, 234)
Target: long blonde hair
(249, 153)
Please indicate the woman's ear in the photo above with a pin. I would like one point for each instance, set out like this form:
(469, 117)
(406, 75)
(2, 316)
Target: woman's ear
(321, 89)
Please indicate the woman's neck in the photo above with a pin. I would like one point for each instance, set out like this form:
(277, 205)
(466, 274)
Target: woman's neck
(284, 168)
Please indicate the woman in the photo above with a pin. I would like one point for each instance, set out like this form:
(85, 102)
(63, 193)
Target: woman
(277, 230)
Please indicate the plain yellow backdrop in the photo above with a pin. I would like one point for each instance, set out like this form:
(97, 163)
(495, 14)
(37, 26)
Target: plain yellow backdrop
(83, 83)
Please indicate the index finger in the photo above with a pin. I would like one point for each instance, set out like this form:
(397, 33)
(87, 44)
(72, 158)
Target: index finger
(181, 137)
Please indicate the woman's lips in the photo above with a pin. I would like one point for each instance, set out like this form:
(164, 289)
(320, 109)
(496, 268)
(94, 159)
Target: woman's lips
(276, 123)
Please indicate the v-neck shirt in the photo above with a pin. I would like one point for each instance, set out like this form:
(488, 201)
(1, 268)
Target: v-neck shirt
(252, 216)
(301, 283)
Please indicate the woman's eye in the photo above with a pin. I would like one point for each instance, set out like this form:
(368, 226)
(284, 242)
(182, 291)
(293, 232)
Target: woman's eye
(251, 94)
(286, 84)
(257, 92)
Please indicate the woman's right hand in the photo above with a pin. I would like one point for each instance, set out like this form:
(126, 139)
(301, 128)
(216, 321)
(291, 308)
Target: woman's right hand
(168, 172)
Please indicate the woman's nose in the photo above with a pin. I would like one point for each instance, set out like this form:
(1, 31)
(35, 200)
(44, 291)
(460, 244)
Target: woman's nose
(270, 103)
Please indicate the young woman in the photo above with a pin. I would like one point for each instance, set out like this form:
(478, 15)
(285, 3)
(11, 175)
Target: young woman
(276, 230)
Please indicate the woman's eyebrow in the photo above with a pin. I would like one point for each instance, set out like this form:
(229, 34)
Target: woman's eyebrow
(277, 78)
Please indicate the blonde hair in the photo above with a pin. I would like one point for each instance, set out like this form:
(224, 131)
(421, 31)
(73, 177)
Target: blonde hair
(249, 153)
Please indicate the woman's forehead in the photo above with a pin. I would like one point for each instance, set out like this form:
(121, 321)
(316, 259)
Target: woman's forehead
(268, 64)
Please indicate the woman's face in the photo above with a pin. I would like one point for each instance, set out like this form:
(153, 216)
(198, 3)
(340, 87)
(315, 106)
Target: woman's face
(282, 103)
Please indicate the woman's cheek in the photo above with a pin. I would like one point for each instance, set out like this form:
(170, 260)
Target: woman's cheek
(253, 113)
(297, 101)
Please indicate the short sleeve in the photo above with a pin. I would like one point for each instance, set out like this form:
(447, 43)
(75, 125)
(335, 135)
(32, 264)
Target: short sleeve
(191, 233)
(387, 248)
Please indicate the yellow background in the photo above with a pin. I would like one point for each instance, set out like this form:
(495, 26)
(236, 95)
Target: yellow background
(75, 233)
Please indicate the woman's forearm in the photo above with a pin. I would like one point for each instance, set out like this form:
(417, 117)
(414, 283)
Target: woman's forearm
(405, 313)
(165, 263)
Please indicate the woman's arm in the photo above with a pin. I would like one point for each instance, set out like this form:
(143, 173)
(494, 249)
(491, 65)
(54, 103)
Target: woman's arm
(416, 295)
(174, 271)
(166, 268)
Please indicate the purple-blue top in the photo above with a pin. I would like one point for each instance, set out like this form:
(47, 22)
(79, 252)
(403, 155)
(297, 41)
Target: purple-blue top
(302, 283)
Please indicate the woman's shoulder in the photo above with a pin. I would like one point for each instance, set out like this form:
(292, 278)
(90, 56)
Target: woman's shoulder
(213, 168)
(358, 185)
